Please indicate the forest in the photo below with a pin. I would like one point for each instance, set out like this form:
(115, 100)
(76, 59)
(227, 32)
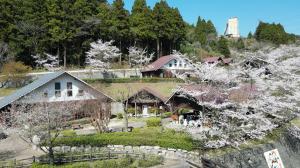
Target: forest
(30, 29)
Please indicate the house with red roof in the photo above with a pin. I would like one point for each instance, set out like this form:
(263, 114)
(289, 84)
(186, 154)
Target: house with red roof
(166, 66)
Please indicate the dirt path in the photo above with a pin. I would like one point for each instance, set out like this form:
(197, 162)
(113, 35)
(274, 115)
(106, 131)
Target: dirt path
(14, 147)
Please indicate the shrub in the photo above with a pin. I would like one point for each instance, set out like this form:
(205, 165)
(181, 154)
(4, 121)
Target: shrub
(166, 114)
(120, 116)
(68, 133)
(153, 122)
(154, 110)
(127, 162)
(153, 136)
(132, 111)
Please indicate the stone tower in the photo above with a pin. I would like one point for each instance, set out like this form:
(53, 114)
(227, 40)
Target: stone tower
(232, 28)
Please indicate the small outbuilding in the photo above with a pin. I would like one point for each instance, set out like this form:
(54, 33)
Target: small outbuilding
(146, 100)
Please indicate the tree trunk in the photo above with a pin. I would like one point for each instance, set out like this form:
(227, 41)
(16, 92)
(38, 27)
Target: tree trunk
(58, 53)
(126, 116)
(120, 59)
(135, 111)
(158, 47)
(65, 56)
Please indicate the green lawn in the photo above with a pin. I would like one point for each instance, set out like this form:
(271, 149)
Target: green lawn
(115, 89)
(6, 91)
(150, 136)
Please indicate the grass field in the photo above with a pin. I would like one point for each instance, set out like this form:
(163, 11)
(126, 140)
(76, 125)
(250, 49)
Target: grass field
(116, 89)
(6, 91)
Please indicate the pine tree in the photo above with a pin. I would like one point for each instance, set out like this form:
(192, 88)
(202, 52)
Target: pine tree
(223, 47)
(120, 24)
(250, 36)
(240, 44)
(141, 21)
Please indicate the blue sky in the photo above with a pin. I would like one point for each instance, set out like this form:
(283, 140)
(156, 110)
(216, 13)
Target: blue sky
(249, 12)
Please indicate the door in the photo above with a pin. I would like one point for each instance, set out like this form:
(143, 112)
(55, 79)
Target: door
(145, 110)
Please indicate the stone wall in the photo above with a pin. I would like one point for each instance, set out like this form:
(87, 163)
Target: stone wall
(288, 147)
(155, 150)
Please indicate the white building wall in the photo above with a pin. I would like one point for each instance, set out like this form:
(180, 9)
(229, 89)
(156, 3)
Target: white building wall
(177, 64)
(38, 94)
(232, 28)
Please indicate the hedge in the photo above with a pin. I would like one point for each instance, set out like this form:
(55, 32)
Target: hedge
(133, 80)
(153, 122)
(153, 136)
(127, 162)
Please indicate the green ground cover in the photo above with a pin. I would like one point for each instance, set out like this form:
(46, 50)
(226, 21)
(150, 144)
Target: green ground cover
(150, 136)
(115, 89)
(128, 162)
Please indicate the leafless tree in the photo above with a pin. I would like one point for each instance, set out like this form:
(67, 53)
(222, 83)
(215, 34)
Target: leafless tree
(99, 114)
(123, 97)
(39, 121)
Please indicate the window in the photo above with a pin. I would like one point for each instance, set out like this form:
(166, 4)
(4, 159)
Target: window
(57, 89)
(45, 94)
(69, 89)
(80, 92)
(170, 65)
(180, 64)
(175, 63)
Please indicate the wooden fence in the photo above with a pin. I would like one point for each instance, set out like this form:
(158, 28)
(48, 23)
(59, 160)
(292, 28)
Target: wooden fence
(71, 158)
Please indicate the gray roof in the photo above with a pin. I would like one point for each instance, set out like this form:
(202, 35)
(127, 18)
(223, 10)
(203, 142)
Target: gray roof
(32, 86)
(29, 88)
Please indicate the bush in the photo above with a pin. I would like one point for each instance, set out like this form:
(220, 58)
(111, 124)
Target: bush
(127, 162)
(166, 114)
(68, 133)
(154, 110)
(132, 111)
(132, 80)
(153, 136)
(153, 122)
(120, 116)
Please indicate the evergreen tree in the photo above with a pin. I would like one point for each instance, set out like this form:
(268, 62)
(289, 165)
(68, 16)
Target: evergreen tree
(240, 44)
(250, 36)
(141, 22)
(223, 47)
(205, 31)
(274, 33)
(104, 14)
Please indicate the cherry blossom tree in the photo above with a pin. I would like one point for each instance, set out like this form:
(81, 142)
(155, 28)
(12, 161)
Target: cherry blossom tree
(47, 61)
(101, 54)
(269, 100)
(139, 57)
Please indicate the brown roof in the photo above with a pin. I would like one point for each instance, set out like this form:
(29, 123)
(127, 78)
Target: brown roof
(217, 59)
(209, 93)
(212, 59)
(227, 60)
(151, 91)
(160, 62)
